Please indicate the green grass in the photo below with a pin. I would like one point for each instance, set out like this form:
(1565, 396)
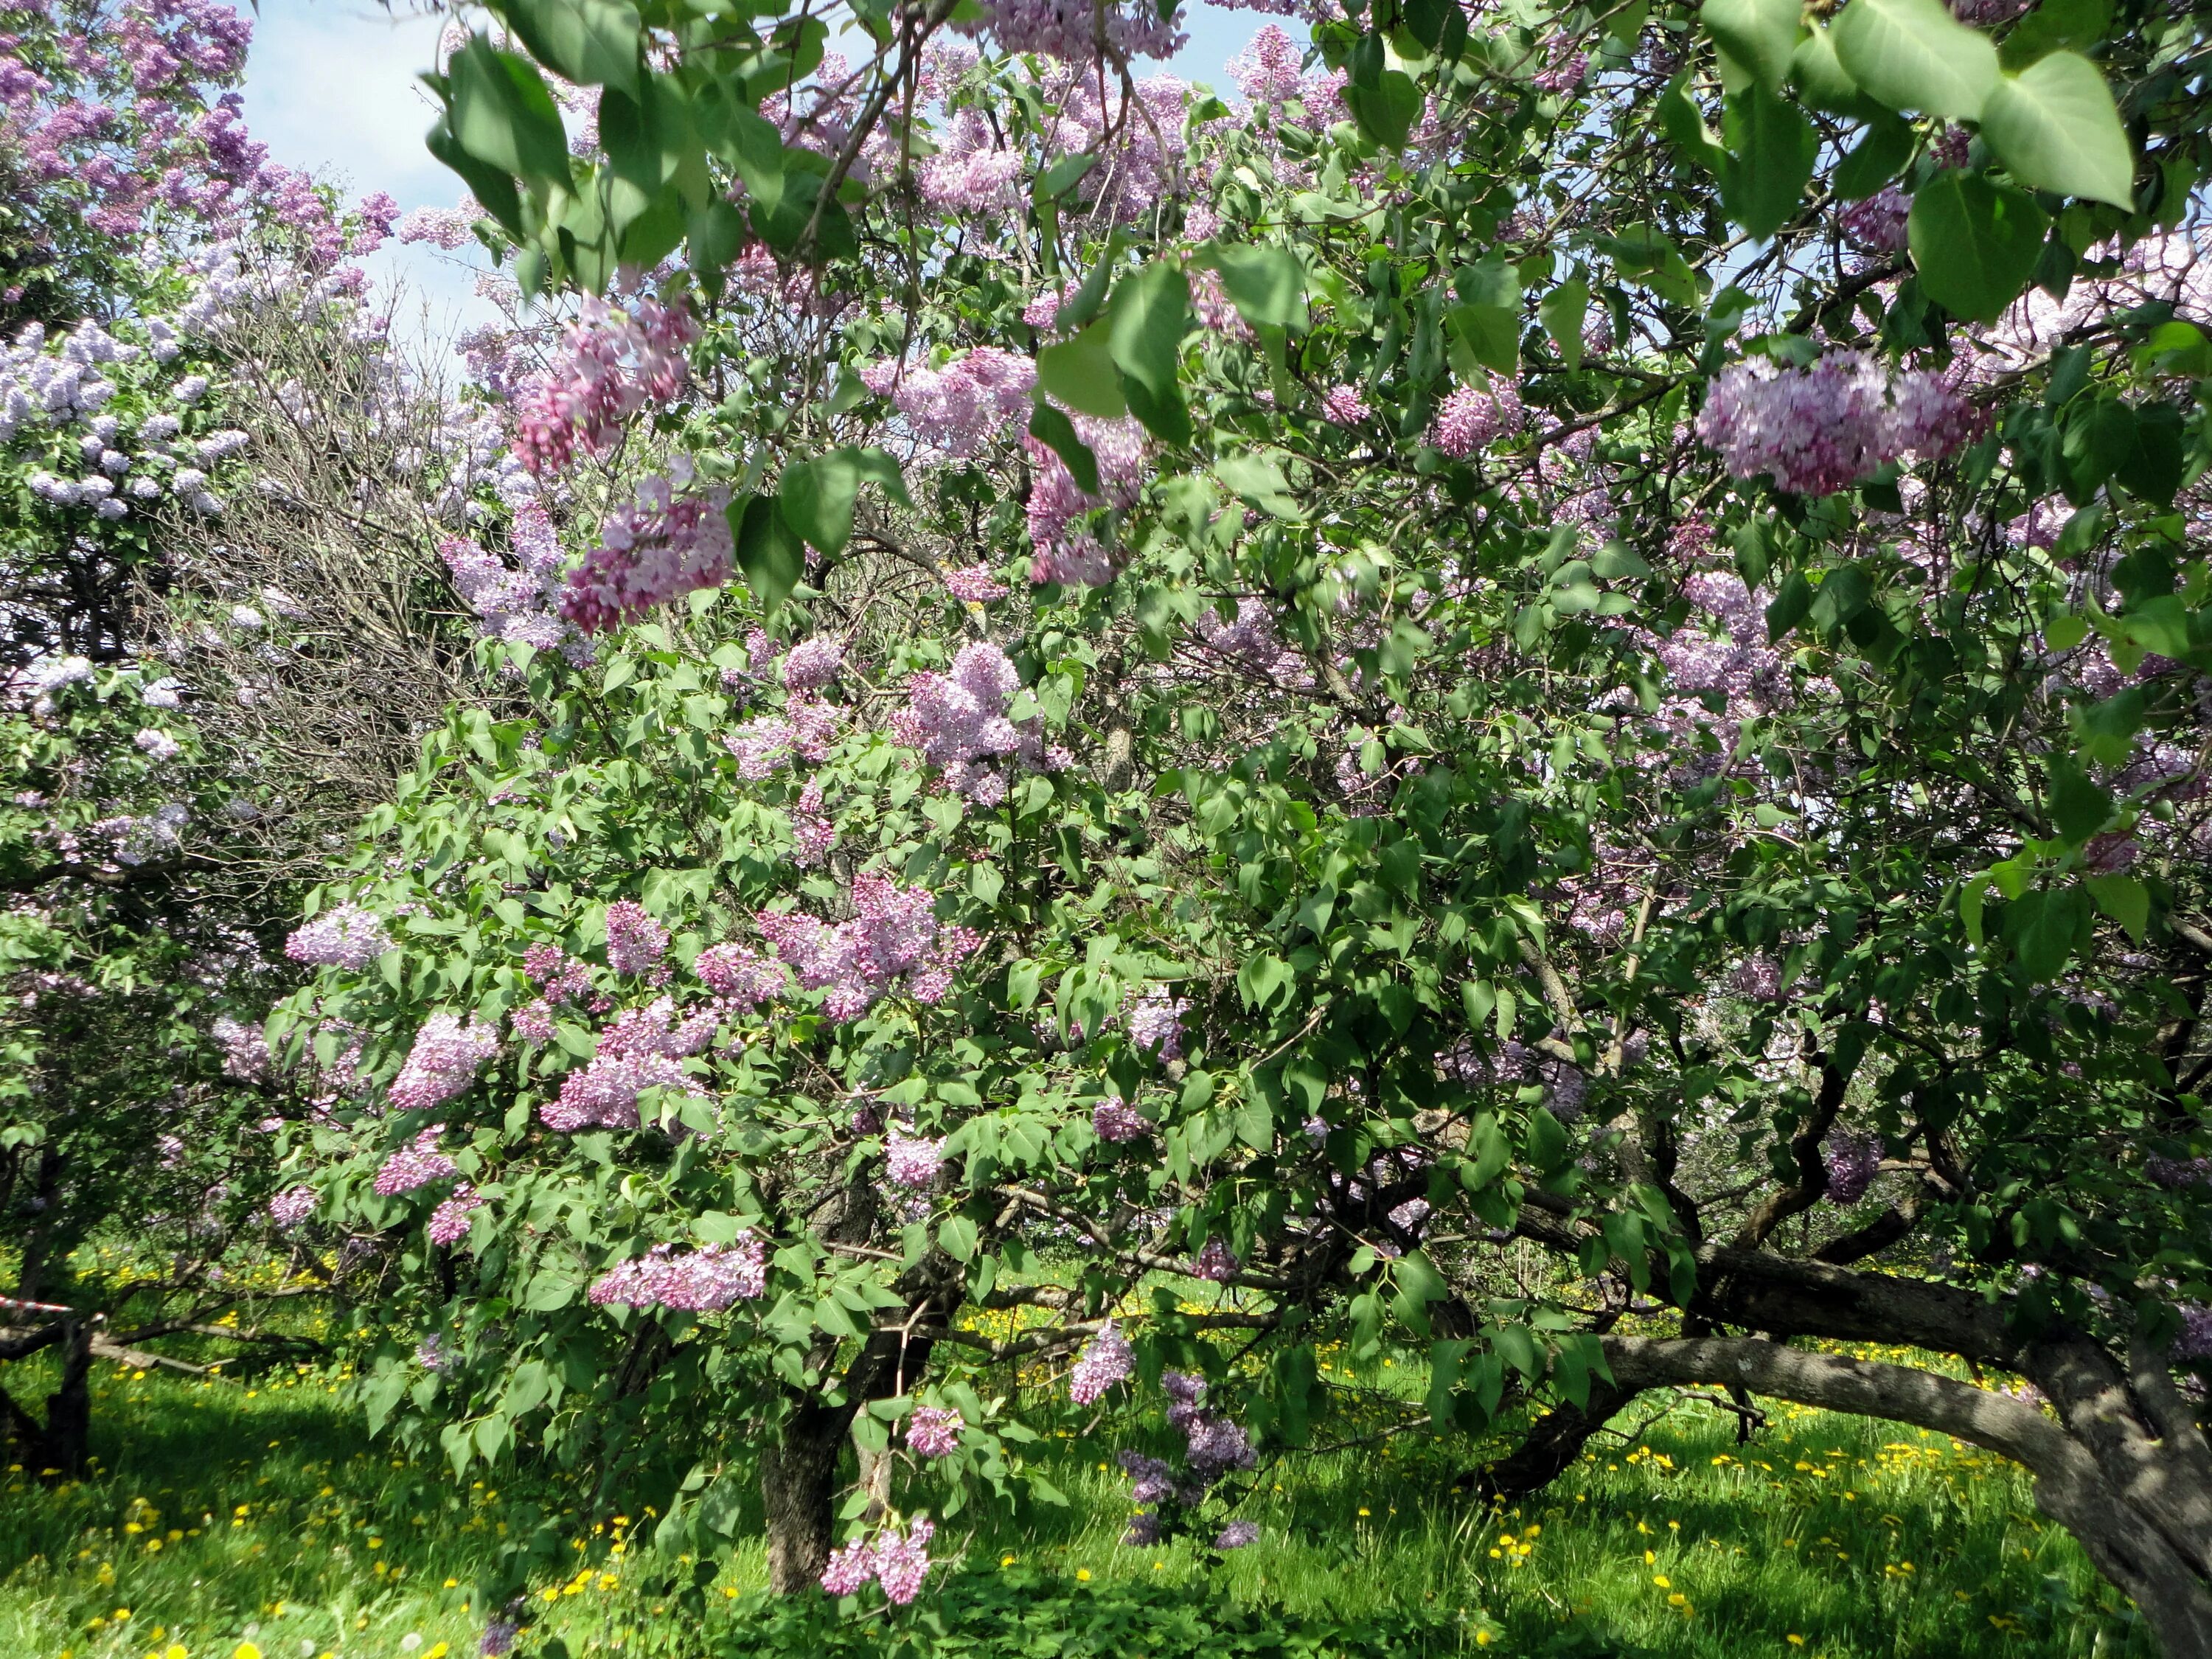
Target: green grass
(224, 1513)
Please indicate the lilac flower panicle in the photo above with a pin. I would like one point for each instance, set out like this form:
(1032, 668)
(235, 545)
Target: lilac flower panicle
(1156, 1023)
(1115, 1119)
(912, 1161)
(934, 1431)
(902, 1562)
(2175, 1173)
(850, 1566)
(498, 1638)
(443, 1063)
(347, 937)
(1216, 1261)
(709, 1279)
(2195, 1341)
(449, 1222)
(1106, 1359)
(635, 942)
(1236, 1534)
(603, 1094)
(813, 663)
(416, 1166)
(1822, 428)
(1151, 1480)
(739, 976)
(292, 1207)
(1853, 1160)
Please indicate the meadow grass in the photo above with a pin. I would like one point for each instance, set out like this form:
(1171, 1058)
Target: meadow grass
(259, 1512)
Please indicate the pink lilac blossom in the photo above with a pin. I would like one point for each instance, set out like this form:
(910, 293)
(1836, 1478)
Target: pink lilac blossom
(449, 1222)
(534, 1022)
(1757, 978)
(1216, 1261)
(811, 829)
(635, 942)
(347, 937)
(709, 1279)
(560, 976)
(894, 934)
(1564, 69)
(655, 1030)
(520, 603)
(1237, 1535)
(1343, 405)
(244, 1050)
(416, 1166)
(1057, 504)
(1876, 225)
(604, 1093)
(973, 584)
(963, 406)
(1072, 30)
(957, 720)
(912, 1161)
(975, 173)
(1156, 1025)
(442, 1062)
(1271, 68)
(813, 663)
(898, 1562)
(1473, 417)
(1116, 1119)
(614, 363)
(767, 743)
(1820, 429)
(739, 976)
(650, 554)
(934, 1431)
(292, 1207)
(1106, 1359)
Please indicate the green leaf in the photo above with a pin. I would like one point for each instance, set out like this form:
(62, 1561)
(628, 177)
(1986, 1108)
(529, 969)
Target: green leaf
(1491, 335)
(1267, 285)
(491, 186)
(816, 496)
(1685, 123)
(2045, 928)
(1259, 479)
(1547, 1141)
(1261, 979)
(500, 112)
(1385, 111)
(1561, 312)
(1079, 373)
(2079, 24)
(957, 1234)
(2055, 127)
(1062, 176)
(592, 43)
(1150, 314)
(1645, 255)
(1975, 244)
(1759, 34)
(769, 552)
(1887, 147)
(1790, 607)
(2124, 899)
(2079, 807)
(1913, 55)
(1051, 427)
(1770, 150)
(1822, 81)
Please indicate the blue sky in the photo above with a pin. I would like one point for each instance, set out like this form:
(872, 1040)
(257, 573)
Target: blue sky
(329, 88)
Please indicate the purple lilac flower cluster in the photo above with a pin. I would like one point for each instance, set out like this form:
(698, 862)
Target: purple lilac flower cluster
(912, 1161)
(964, 405)
(1057, 504)
(934, 1431)
(244, 1050)
(347, 937)
(1216, 1261)
(292, 1207)
(1474, 417)
(649, 553)
(1106, 1359)
(615, 362)
(1156, 1025)
(1877, 224)
(709, 1279)
(957, 720)
(521, 602)
(739, 976)
(444, 1057)
(604, 1093)
(974, 584)
(899, 1562)
(894, 936)
(416, 1166)
(635, 942)
(449, 1222)
(767, 743)
(2177, 1173)
(1115, 1119)
(1822, 428)
(1072, 30)
(1853, 1160)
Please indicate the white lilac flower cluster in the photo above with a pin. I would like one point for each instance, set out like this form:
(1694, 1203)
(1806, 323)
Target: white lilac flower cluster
(346, 937)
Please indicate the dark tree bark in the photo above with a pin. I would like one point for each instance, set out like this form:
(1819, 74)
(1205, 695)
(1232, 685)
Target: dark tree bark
(61, 1445)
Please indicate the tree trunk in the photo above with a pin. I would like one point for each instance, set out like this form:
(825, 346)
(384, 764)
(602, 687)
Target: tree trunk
(68, 1439)
(1554, 1441)
(798, 1483)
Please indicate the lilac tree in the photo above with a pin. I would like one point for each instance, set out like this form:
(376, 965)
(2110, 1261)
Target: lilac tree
(1566, 627)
